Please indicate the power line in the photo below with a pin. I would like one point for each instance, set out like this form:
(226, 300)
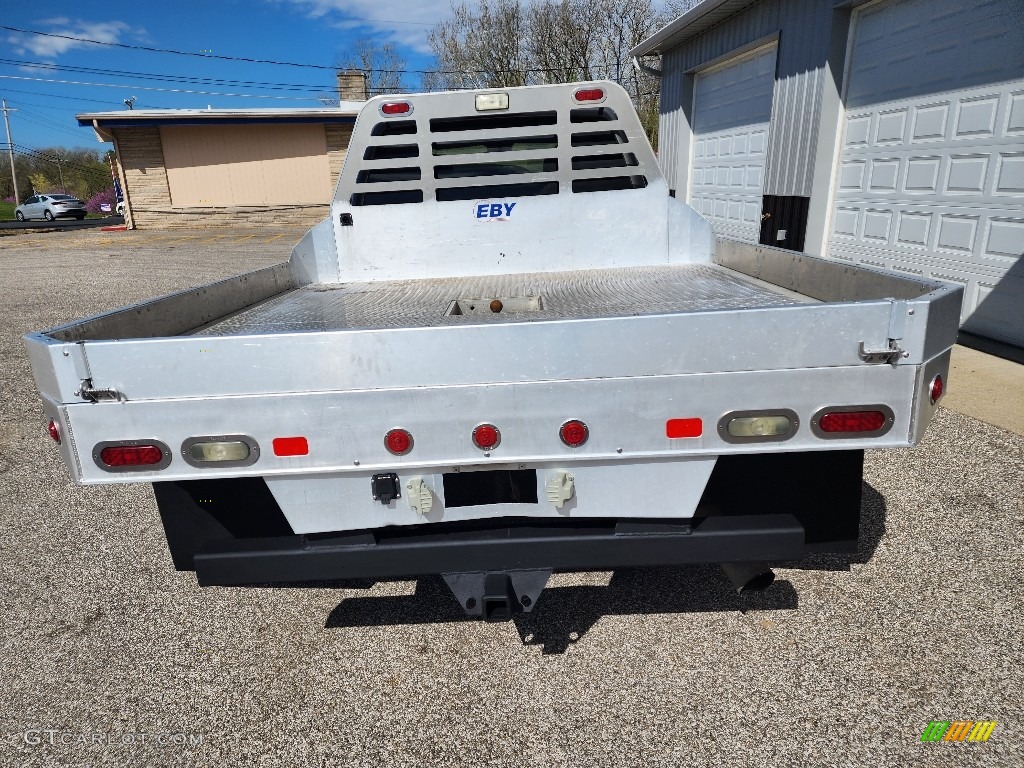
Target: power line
(36, 119)
(135, 86)
(41, 154)
(187, 79)
(152, 49)
(67, 98)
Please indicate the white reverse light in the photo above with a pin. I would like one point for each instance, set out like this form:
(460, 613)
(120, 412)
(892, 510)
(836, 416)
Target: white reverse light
(487, 102)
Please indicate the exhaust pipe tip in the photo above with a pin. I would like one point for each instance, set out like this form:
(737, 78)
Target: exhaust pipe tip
(749, 577)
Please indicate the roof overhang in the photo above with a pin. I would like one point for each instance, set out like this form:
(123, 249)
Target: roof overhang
(103, 122)
(702, 16)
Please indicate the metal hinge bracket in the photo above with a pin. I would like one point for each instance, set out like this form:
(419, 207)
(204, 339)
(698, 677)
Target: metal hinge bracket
(98, 394)
(893, 352)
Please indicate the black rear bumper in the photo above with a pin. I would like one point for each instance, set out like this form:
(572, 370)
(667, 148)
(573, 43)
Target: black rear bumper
(760, 507)
(505, 546)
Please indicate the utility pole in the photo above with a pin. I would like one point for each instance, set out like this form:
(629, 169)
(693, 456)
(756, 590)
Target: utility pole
(60, 171)
(10, 149)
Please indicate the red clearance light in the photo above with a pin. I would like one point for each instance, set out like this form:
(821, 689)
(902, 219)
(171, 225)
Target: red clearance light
(574, 433)
(589, 94)
(54, 431)
(934, 392)
(395, 108)
(486, 436)
(684, 428)
(291, 446)
(851, 421)
(131, 455)
(398, 441)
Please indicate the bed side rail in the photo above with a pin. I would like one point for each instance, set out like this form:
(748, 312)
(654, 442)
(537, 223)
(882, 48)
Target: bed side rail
(180, 312)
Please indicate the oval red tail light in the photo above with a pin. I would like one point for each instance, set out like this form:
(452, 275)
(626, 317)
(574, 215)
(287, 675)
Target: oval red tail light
(486, 436)
(398, 441)
(934, 391)
(852, 421)
(131, 455)
(54, 431)
(589, 94)
(395, 108)
(574, 433)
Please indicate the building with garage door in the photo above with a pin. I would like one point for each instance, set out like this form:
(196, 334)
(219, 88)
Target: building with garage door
(211, 167)
(888, 133)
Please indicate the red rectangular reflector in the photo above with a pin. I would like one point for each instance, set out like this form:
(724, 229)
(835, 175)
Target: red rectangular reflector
(684, 428)
(291, 446)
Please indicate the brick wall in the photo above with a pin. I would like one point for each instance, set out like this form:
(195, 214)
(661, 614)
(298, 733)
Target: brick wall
(338, 138)
(142, 162)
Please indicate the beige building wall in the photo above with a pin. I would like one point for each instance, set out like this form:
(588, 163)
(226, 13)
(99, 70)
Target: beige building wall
(144, 163)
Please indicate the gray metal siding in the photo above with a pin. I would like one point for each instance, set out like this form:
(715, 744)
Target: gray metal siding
(673, 122)
(803, 27)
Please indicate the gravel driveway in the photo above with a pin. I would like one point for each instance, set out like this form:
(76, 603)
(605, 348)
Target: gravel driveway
(842, 662)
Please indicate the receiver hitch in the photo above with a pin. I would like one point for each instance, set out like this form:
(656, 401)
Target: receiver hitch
(497, 595)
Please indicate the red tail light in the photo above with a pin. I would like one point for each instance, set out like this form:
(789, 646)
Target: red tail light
(486, 436)
(291, 446)
(934, 391)
(589, 94)
(54, 431)
(574, 433)
(398, 441)
(853, 421)
(395, 108)
(131, 455)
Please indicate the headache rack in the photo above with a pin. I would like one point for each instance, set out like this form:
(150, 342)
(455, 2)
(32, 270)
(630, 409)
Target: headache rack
(443, 185)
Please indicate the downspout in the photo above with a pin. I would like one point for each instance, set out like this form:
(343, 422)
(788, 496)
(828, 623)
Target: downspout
(645, 69)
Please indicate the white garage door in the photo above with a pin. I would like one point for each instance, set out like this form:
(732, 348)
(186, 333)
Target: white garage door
(731, 111)
(931, 172)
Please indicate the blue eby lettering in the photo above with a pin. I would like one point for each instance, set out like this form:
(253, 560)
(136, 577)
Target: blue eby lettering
(493, 210)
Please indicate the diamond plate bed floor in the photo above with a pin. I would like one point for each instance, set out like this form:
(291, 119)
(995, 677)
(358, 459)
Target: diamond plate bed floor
(528, 297)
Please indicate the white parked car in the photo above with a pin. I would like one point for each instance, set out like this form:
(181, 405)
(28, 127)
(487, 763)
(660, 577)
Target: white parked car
(50, 207)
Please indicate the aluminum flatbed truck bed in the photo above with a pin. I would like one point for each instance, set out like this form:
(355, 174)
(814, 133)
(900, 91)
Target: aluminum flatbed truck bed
(508, 350)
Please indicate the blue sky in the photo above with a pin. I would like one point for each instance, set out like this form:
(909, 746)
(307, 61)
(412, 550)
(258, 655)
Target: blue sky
(303, 31)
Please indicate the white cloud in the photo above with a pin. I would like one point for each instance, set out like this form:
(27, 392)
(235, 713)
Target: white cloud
(401, 21)
(52, 47)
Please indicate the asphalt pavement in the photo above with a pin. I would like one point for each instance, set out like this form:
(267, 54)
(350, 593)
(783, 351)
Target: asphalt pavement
(60, 225)
(111, 657)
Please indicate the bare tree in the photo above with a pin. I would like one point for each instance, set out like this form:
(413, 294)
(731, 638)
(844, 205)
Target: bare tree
(480, 48)
(513, 42)
(384, 66)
